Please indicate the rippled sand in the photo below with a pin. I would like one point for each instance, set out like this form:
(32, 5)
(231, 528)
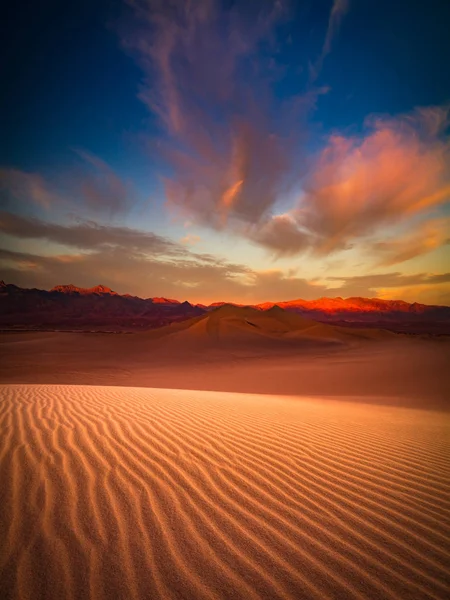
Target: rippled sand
(121, 492)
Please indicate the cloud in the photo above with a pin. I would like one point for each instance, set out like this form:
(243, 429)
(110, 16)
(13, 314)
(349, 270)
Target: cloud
(232, 155)
(338, 10)
(226, 143)
(436, 294)
(143, 263)
(275, 285)
(193, 51)
(392, 285)
(200, 281)
(92, 187)
(150, 275)
(359, 185)
(395, 279)
(426, 237)
(190, 240)
(87, 235)
(138, 273)
(17, 186)
(282, 235)
(101, 189)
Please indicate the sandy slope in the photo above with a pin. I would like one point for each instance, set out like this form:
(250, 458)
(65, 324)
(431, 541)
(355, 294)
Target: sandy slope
(399, 370)
(111, 492)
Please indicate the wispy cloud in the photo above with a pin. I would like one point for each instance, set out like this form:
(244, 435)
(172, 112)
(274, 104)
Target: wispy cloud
(141, 262)
(395, 279)
(101, 189)
(227, 143)
(425, 237)
(146, 264)
(338, 10)
(231, 158)
(19, 186)
(88, 235)
(429, 288)
(92, 187)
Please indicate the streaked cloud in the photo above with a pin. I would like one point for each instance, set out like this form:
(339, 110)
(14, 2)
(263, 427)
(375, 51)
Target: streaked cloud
(101, 189)
(227, 144)
(17, 187)
(427, 288)
(395, 279)
(338, 10)
(282, 235)
(91, 186)
(148, 275)
(86, 235)
(425, 237)
(145, 264)
(231, 160)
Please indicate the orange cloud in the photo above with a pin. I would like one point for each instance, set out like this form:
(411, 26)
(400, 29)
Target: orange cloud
(231, 193)
(358, 186)
(425, 237)
(225, 139)
(190, 240)
(399, 169)
(232, 153)
(424, 294)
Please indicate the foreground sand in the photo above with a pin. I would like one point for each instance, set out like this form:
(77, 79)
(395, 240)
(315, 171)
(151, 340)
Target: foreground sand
(115, 492)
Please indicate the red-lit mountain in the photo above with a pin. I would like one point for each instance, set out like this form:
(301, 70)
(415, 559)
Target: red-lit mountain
(100, 308)
(395, 315)
(339, 305)
(73, 289)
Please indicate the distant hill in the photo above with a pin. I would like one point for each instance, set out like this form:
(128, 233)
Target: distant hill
(395, 315)
(99, 308)
(237, 332)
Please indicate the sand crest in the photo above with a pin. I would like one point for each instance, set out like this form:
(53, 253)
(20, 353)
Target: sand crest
(114, 492)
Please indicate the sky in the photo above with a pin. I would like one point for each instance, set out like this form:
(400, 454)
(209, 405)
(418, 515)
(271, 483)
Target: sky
(246, 151)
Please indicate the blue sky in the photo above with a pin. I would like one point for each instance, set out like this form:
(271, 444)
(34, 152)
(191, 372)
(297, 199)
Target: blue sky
(256, 137)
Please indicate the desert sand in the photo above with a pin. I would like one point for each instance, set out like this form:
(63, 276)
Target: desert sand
(241, 350)
(237, 455)
(115, 492)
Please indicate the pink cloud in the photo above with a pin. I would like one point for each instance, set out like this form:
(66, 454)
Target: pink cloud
(230, 159)
(398, 171)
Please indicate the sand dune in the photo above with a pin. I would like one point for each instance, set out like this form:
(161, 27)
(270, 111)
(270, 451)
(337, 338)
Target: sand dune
(398, 370)
(233, 324)
(111, 492)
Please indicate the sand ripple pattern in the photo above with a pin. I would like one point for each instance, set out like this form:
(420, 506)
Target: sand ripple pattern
(134, 493)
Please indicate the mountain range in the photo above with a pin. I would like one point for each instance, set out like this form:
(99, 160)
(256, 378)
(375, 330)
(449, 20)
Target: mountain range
(99, 308)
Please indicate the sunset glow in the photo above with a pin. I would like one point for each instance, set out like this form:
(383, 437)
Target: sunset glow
(243, 140)
(225, 300)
